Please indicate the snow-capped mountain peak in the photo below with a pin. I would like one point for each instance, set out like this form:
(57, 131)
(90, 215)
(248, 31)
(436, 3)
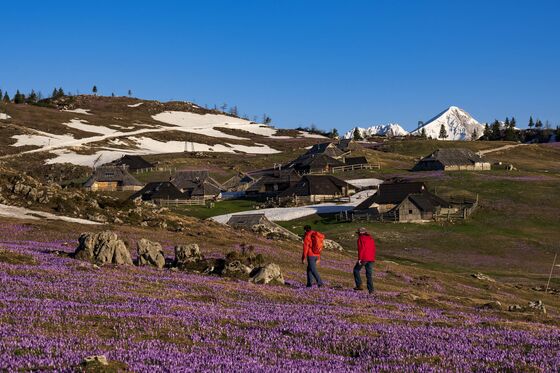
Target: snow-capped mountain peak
(458, 124)
(389, 130)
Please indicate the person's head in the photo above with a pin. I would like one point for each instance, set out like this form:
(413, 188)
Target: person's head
(361, 231)
(307, 228)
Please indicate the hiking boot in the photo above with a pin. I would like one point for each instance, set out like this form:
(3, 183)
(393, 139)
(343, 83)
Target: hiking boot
(357, 288)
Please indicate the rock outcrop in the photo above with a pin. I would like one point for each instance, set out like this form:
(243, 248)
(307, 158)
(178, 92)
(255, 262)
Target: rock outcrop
(186, 254)
(102, 248)
(332, 245)
(150, 253)
(270, 273)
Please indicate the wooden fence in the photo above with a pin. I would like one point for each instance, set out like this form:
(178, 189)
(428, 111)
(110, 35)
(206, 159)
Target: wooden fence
(352, 167)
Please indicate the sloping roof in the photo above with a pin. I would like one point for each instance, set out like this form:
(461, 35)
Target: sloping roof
(327, 148)
(237, 180)
(345, 144)
(247, 220)
(116, 174)
(159, 190)
(393, 193)
(317, 185)
(356, 160)
(287, 176)
(197, 183)
(454, 157)
(427, 201)
(133, 162)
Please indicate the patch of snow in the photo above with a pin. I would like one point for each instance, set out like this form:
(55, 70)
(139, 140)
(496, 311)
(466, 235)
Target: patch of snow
(4, 116)
(389, 130)
(82, 125)
(135, 105)
(42, 140)
(78, 111)
(311, 135)
(23, 213)
(209, 124)
(458, 124)
(364, 183)
(292, 213)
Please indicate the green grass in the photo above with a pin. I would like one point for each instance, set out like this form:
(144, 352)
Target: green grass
(220, 208)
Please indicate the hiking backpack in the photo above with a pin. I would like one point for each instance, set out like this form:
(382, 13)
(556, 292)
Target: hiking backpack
(317, 241)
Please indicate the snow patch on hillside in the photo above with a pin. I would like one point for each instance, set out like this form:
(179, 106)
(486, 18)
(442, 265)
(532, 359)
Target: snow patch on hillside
(389, 130)
(83, 125)
(4, 116)
(15, 212)
(209, 124)
(135, 105)
(458, 124)
(78, 111)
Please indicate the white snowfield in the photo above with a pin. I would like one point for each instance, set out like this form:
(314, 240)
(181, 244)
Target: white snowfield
(78, 111)
(65, 146)
(23, 213)
(135, 105)
(458, 124)
(4, 116)
(365, 183)
(208, 124)
(389, 130)
(292, 213)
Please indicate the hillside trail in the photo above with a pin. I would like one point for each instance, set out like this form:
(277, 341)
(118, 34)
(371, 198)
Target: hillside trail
(484, 152)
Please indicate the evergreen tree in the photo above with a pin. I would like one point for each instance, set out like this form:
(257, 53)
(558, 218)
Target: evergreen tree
(538, 124)
(19, 98)
(474, 135)
(113, 94)
(6, 97)
(423, 133)
(54, 93)
(266, 119)
(496, 133)
(487, 134)
(506, 123)
(557, 134)
(129, 93)
(60, 92)
(94, 90)
(233, 111)
(512, 122)
(443, 132)
(531, 123)
(0, 93)
(334, 133)
(32, 98)
(356, 135)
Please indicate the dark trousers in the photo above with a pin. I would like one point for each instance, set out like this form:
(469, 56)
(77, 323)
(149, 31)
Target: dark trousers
(312, 271)
(369, 275)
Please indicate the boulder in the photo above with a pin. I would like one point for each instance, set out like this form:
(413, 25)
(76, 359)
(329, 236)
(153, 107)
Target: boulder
(102, 248)
(483, 277)
(493, 305)
(537, 306)
(270, 273)
(95, 360)
(332, 245)
(236, 267)
(150, 253)
(516, 308)
(185, 254)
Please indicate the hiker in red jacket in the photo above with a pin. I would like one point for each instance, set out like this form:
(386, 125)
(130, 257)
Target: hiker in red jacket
(366, 257)
(312, 247)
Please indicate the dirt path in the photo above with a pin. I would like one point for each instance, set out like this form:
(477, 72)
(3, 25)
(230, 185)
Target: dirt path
(483, 152)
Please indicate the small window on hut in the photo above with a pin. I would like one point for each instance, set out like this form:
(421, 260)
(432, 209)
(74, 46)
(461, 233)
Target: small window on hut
(410, 212)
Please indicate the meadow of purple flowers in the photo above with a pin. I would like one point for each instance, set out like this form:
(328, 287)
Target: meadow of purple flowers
(55, 310)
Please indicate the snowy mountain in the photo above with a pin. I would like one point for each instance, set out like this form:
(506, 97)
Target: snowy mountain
(389, 130)
(458, 124)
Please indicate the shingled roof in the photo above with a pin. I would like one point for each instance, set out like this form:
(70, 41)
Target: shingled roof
(196, 183)
(454, 157)
(247, 220)
(317, 185)
(327, 148)
(116, 174)
(159, 190)
(393, 193)
(133, 162)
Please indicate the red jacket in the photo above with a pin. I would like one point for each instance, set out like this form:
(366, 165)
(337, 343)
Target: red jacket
(366, 248)
(307, 245)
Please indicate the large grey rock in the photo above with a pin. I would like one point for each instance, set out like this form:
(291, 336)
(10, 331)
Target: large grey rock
(96, 359)
(332, 245)
(102, 248)
(236, 267)
(185, 254)
(150, 253)
(537, 306)
(270, 273)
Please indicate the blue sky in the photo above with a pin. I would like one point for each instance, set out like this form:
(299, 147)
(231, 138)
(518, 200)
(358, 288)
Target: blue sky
(331, 63)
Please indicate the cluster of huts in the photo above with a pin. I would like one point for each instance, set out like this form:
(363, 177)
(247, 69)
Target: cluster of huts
(307, 179)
